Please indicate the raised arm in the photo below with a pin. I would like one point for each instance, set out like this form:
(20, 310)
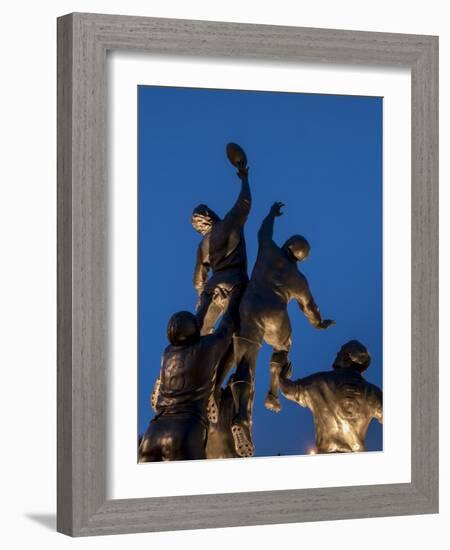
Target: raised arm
(155, 394)
(265, 233)
(201, 266)
(220, 339)
(308, 305)
(241, 208)
(292, 390)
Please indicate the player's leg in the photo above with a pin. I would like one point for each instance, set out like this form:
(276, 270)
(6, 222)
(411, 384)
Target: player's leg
(224, 367)
(228, 359)
(150, 448)
(278, 360)
(279, 337)
(208, 311)
(246, 354)
(221, 298)
(247, 343)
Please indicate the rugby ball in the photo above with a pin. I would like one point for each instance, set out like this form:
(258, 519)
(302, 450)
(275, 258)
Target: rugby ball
(236, 154)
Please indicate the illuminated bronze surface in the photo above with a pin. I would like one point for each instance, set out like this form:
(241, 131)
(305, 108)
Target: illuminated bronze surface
(196, 417)
(341, 401)
(263, 317)
(222, 251)
(220, 442)
(188, 372)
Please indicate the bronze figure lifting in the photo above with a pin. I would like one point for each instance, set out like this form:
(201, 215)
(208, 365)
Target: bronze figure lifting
(341, 401)
(188, 372)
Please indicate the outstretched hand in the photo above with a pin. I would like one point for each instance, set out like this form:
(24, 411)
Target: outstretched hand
(326, 323)
(275, 209)
(243, 170)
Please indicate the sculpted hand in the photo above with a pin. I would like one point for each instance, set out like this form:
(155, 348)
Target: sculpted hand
(220, 296)
(243, 170)
(275, 209)
(326, 323)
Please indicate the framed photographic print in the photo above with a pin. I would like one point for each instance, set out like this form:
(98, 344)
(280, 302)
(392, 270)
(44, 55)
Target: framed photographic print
(247, 274)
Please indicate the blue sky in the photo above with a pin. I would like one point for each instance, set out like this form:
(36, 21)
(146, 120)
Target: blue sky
(319, 154)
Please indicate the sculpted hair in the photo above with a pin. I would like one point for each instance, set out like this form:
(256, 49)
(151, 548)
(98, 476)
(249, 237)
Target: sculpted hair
(297, 247)
(203, 218)
(182, 328)
(353, 354)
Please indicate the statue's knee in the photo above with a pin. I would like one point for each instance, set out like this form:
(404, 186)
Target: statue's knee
(243, 375)
(245, 347)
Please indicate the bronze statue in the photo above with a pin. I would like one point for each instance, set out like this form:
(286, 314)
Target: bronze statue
(188, 372)
(222, 249)
(263, 317)
(341, 401)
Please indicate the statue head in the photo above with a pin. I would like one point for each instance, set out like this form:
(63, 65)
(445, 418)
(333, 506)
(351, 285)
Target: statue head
(352, 355)
(297, 248)
(183, 329)
(203, 219)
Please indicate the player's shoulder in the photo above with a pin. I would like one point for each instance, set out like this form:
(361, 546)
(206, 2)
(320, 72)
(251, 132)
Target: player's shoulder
(167, 349)
(316, 378)
(373, 390)
(301, 279)
(268, 252)
(269, 246)
(206, 238)
(343, 377)
(210, 340)
(175, 351)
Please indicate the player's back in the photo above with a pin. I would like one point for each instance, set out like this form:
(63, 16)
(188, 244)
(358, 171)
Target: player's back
(227, 249)
(185, 385)
(276, 273)
(342, 404)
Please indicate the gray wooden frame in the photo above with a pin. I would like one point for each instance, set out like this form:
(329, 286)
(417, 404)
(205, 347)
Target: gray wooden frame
(83, 40)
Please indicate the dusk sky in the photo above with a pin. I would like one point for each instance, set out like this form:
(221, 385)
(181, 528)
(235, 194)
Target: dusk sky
(319, 154)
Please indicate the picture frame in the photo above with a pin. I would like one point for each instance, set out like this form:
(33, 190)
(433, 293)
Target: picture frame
(83, 40)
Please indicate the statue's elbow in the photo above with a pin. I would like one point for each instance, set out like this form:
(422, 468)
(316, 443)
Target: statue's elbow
(314, 320)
